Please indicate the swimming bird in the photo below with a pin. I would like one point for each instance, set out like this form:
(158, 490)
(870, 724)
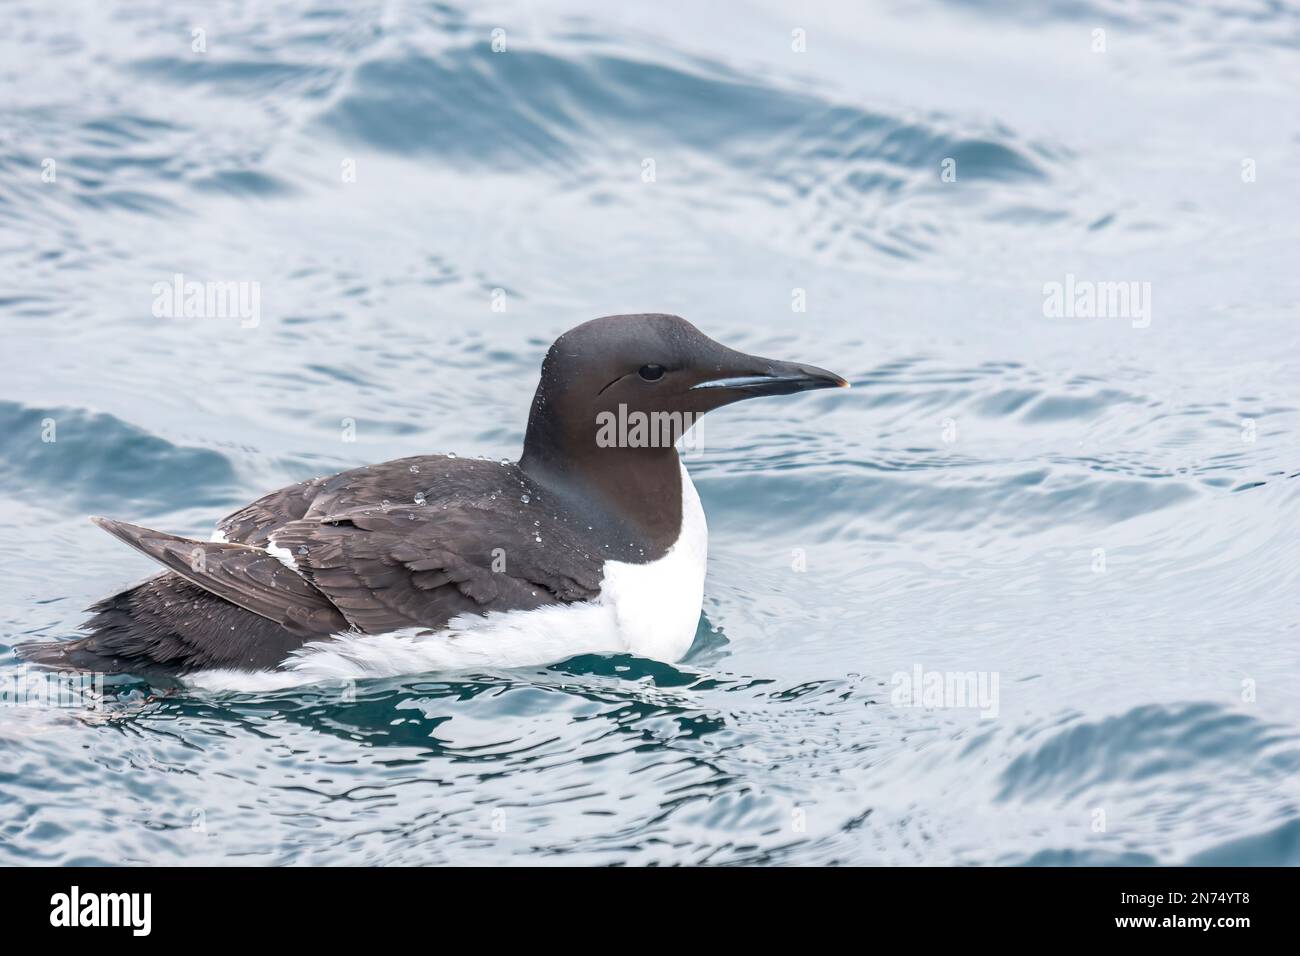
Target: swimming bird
(594, 541)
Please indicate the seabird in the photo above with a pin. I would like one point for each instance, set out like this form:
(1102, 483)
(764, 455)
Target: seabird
(593, 542)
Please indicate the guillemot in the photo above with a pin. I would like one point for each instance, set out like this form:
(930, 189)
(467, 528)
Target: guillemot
(593, 542)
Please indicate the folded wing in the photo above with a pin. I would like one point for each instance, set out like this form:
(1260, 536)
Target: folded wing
(386, 569)
(245, 576)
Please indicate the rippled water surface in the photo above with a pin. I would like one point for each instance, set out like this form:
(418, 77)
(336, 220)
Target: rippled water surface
(1099, 513)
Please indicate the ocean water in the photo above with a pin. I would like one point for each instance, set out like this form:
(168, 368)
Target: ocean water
(1093, 516)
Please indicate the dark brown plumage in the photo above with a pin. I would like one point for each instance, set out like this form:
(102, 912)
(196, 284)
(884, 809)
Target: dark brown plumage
(369, 558)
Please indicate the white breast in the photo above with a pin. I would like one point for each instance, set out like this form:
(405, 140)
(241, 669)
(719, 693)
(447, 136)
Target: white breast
(657, 605)
(650, 610)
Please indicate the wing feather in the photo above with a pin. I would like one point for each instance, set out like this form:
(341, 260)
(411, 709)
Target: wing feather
(245, 576)
(420, 566)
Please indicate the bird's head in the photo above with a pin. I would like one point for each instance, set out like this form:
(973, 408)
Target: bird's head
(641, 381)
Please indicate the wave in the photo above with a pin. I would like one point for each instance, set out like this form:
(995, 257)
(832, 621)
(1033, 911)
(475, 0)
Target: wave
(76, 460)
(1142, 745)
(591, 121)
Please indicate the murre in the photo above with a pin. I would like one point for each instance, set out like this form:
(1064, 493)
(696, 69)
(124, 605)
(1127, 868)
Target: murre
(594, 542)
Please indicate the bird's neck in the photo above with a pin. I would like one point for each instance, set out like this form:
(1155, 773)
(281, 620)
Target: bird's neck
(631, 495)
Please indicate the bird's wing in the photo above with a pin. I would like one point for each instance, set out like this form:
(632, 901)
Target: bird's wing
(366, 486)
(253, 523)
(245, 576)
(423, 565)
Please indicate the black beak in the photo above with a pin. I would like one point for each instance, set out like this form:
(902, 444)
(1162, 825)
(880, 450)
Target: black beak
(771, 378)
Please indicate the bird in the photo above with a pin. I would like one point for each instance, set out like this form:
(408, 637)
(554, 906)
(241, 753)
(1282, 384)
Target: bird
(593, 542)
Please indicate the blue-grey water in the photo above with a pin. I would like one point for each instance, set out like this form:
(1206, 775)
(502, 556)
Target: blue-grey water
(1098, 513)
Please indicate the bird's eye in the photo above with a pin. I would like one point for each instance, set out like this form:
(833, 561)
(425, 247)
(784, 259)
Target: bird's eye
(651, 373)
